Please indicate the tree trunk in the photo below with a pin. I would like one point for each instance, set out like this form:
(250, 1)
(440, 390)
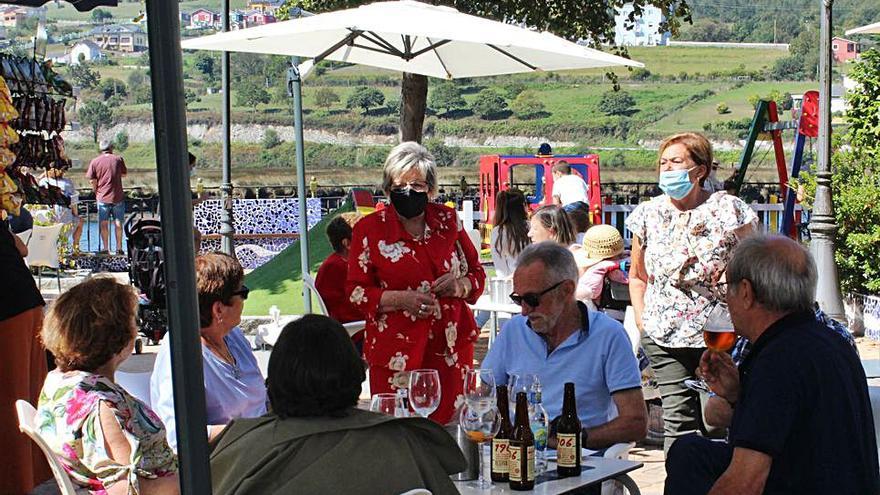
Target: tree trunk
(413, 98)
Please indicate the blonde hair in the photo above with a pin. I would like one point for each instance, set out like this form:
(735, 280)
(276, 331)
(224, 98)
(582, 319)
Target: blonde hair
(90, 323)
(405, 156)
(698, 147)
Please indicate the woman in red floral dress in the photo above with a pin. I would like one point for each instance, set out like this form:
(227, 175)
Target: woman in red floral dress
(412, 271)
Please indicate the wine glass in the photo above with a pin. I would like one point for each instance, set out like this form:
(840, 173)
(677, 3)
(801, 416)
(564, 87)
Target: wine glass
(384, 403)
(521, 382)
(424, 391)
(479, 389)
(480, 426)
(719, 337)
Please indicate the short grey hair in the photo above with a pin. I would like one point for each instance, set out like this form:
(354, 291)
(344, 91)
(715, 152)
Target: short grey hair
(106, 145)
(782, 272)
(556, 257)
(405, 156)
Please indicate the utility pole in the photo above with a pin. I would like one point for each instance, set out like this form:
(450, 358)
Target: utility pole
(823, 229)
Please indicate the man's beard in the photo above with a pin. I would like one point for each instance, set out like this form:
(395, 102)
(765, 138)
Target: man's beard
(541, 323)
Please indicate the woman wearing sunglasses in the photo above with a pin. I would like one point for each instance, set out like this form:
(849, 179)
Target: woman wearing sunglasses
(234, 385)
(412, 271)
(682, 242)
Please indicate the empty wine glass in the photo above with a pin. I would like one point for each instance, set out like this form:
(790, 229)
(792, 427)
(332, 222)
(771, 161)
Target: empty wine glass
(384, 403)
(480, 426)
(479, 389)
(424, 391)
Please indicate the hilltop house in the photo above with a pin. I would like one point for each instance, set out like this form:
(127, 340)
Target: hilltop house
(645, 30)
(265, 6)
(120, 37)
(257, 18)
(13, 16)
(204, 18)
(88, 49)
(843, 49)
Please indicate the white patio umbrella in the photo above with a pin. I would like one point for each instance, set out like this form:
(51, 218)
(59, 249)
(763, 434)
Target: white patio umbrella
(414, 37)
(407, 36)
(869, 29)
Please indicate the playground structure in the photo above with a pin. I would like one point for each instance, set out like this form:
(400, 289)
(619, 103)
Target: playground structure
(766, 125)
(532, 175)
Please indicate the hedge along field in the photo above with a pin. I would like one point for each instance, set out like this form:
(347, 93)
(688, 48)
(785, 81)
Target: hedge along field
(674, 60)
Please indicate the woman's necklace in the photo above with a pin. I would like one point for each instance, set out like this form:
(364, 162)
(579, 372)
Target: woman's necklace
(224, 354)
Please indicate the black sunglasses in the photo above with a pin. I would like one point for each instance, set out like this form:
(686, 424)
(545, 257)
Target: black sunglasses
(531, 298)
(243, 292)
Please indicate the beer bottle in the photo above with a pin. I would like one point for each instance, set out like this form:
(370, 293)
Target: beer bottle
(568, 436)
(522, 448)
(501, 443)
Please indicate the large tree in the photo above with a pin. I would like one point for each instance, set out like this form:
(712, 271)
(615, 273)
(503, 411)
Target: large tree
(96, 116)
(591, 20)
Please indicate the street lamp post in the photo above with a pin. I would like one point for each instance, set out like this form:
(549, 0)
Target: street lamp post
(227, 222)
(823, 228)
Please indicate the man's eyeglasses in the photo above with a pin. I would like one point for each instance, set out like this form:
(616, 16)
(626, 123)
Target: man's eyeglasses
(533, 299)
(417, 186)
(243, 292)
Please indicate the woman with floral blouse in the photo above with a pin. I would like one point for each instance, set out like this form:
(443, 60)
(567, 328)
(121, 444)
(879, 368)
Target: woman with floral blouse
(412, 271)
(682, 241)
(107, 440)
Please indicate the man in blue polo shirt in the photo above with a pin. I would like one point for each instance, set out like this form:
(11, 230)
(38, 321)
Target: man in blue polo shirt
(560, 341)
(801, 419)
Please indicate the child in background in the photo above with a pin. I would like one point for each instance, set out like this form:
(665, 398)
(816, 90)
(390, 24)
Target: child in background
(599, 259)
(330, 280)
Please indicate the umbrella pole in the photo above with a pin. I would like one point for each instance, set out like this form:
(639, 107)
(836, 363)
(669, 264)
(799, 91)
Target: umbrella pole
(294, 84)
(169, 117)
(227, 223)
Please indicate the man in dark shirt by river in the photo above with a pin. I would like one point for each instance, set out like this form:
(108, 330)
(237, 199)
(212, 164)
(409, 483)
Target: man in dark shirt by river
(802, 420)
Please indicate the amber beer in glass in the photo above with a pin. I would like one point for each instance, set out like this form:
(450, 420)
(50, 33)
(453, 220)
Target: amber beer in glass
(568, 436)
(522, 448)
(719, 340)
(500, 453)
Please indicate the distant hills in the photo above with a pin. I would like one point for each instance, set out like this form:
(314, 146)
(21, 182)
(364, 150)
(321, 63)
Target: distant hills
(768, 21)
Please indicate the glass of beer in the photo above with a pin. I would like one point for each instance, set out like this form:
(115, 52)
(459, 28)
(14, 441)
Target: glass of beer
(719, 337)
(480, 425)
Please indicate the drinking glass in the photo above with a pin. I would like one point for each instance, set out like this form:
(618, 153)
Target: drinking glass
(521, 382)
(384, 403)
(479, 389)
(480, 426)
(424, 391)
(719, 337)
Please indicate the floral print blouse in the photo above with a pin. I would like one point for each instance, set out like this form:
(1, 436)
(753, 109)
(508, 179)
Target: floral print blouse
(686, 253)
(385, 256)
(68, 418)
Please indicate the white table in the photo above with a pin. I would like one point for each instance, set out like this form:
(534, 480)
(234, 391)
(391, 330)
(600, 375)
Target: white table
(268, 333)
(597, 470)
(485, 303)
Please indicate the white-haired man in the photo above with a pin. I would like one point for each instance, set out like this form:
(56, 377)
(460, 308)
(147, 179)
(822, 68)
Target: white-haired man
(801, 417)
(558, 339)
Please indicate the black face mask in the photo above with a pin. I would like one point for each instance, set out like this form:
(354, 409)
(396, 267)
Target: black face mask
(409, 203)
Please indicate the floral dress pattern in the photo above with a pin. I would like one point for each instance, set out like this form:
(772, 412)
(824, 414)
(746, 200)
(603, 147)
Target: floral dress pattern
(686, 253)
(384, 256)
(68, 418)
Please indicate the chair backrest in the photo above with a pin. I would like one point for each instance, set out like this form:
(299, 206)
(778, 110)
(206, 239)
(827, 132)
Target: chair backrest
(417, 491)
(632, 331)
(43, 246)
(25, 236)
(26, 414)
(136, 384)
(309, 282)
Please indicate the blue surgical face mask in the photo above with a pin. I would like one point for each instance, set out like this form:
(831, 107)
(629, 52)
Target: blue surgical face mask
(676, 183)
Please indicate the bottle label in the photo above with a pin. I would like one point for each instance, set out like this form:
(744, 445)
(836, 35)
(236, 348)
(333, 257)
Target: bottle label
(566, 449)
(500, 456)
(516, 464)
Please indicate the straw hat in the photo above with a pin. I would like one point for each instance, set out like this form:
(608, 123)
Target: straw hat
(600, 243)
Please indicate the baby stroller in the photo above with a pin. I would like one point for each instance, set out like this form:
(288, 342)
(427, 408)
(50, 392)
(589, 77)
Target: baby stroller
(146, 270)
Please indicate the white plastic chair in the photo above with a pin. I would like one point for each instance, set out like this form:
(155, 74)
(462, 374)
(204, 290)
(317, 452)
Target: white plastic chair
(136, 384)
(26, 414)
(351, 327)
(26, 236)
(417, 491)
(43, 250)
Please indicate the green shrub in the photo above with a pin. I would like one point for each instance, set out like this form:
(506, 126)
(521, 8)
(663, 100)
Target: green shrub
(120, 142)
(270, 139)
(488, 103)
(527, 105)
(616, 103)
(365, 97)
(325, 97)
(445, 96)
(722, 108)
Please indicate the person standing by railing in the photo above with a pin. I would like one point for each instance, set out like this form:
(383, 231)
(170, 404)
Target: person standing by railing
(105, 174)
(682, 242)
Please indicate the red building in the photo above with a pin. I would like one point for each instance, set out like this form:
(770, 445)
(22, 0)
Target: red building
(257, 18)
(843, 49)
(204, 18)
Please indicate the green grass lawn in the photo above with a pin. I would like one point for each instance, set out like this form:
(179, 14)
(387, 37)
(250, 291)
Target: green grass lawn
(693, 116)
(673, 60)
(125, 11)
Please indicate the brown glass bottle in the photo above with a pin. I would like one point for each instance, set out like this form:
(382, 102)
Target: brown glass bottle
(500, 453)
(522, 448)
(568, 436)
